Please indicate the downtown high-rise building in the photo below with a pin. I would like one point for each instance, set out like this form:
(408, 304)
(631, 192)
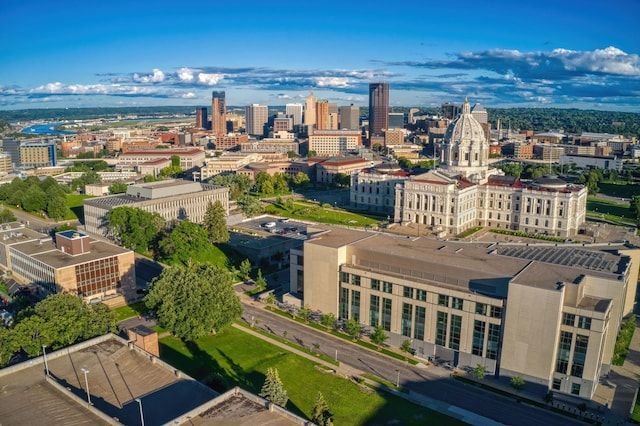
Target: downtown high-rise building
(256, 116)
(310, 109)
(294, 111)
(218, 113)
(378, 108)
(202, 121)
(350, 117)
(322, 115)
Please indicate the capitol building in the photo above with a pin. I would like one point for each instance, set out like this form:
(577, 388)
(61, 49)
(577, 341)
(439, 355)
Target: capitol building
(465, 192)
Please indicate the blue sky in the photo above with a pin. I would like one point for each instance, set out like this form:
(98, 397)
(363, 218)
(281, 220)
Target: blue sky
(560, 53)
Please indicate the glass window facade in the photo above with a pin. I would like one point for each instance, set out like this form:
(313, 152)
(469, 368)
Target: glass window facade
(481, 308)
(496, 311)
(441, 328)
(344, 277)
(493, 340)
(355, 305)
(584, 323)
(387, 287)
(478, 337)
(457, 303)
(407, 315)
(421, 295)
(454, 332)
(344, 303)
(568, 319)
(579, 355)
(564, 348)
(386, 314)
(407, 292)
(374, 310)
(355, 279)
(421, 313)
(443, 300)
(375, 284)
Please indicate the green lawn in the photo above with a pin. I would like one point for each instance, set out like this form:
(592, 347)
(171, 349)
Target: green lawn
(129, 311)
(610, 209)
(621, 189)
(233, 357)
(315, 213)
(75, 206)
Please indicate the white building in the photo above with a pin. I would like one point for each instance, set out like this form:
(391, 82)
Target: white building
(256, 116)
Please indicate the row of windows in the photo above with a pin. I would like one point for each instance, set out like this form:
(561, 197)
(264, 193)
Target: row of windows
(570, 320)
(579, 353)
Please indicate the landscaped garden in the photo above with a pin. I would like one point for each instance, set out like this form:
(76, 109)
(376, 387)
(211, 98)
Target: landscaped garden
(314, 212)
(233, 357)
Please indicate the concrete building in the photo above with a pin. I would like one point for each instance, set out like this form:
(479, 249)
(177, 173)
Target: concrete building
(73, 263)
(546, 313)
(5, 164)
(310, 110)
(373, 189)
(227, 163)
(334, 142)
(378, 108)
(322, 115)
(350, 117)
(396, 120)
(38, 154)
(202, 120)
(230, 141)
(586, 161)
(271, 145)
(327, 169)
(463, 192)
(190, 158)
(171, 199)
(256, 116)
(294, 111)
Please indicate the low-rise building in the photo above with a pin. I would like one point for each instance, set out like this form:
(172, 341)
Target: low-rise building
(190, 158)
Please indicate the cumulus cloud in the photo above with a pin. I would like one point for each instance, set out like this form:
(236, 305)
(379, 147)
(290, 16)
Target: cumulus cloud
(210, 79)
(185, 74)
(157, 76)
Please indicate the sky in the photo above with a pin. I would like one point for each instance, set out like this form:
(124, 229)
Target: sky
(561, 53)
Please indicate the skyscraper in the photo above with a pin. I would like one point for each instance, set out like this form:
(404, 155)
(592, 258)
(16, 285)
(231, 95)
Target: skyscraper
(256, 116)
(218, 113)
(378, 107)
(322, 115)
(310, 109)
(295, 111)
(201, 118)
(350, 117)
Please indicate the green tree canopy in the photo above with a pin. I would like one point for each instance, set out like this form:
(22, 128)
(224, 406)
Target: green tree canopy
(7, 215)
(273, 390)
(34, 200)
(320, 413)
(194, 301)
(118, 188)
(378, 336)
(250, 206)
(215, 223)
(185, 241)
(354, 328)
(134, 227)
(634, 207)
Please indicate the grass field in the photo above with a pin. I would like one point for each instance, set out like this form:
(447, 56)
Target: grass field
(74, 201)
(129, 311)
(622, 190)
(236, 358)
(316, 213)
(610, 209)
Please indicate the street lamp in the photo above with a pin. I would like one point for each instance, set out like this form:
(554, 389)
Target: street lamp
(139, 401)
(44, 354)
(86, 382)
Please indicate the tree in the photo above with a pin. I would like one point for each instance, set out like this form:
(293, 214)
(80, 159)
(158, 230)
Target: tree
(354, 328)
(271, 298)
(320, 413)
(264, 183)
(273, 390)
(118, 188)
(261, 283)
(184, 242)
(517, 382)
(479, 372)
(405, 346)
(249, 205)
(193, 301)
(215, 223)
(634, 207)
(379, 336)
(342, 179)
(300, 179)
(305, 312)
(57, 207)
(245, 268)
(328, 320)
(135, 228)
(34, 200)
(7, 215)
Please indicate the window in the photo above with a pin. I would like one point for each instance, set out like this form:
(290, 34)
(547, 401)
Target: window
(344, 277)
(556, 384)
(496, 311)
(407, 292)
(374, 310)
(387, 287)
(386, 314)
(481, 308)
(355, 305)
(478, 337)
(407, 313)
(421, 295)
(421, 313)
(355, 279)
(458, 303)
(568, 319)
(493, 341)
(579, 355)
(575, 388)
(441, 328)
(454, 332)
(443, 300)
(584, 323)
(562, 360)
(344, 303)
(375, 284)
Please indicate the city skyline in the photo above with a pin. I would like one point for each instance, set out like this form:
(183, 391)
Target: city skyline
(503, 54)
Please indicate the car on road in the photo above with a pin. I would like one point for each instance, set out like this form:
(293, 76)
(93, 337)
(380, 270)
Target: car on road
(269, 225)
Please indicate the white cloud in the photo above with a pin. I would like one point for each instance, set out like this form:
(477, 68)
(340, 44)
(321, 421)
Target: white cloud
(156, 77)
(337, 82)
(210, 79)
(186, 74)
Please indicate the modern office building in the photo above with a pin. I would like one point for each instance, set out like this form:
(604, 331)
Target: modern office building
(72, 263)
(547, 313)
(334, 142)
(218, 113)
(189, 157)
(463, 192)
(171, 199)
(310, 109)
(396, 120)
(38, 154)
(350, 117)
(322, 115)
(11, 146)
(294, 111)
(378, 108)
(202, 120)
(256, 116)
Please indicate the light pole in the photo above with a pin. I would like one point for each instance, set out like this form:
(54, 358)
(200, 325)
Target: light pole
(86, 382)
(44, 354)
(139, 401)
(336, 355)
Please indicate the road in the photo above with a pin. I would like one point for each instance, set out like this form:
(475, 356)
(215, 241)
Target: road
(434, 382)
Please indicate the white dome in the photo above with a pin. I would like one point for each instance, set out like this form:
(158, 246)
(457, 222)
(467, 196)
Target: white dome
(465, 130)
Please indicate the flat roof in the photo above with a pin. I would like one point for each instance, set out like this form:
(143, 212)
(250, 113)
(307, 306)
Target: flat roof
(47, 253)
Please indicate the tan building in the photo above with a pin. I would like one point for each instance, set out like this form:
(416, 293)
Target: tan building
(334, 142)
(74, 263)
(171, 199)
(546, 313)
(5, 164)
(284, 167)
(230, 141)
(189, 157)
(38, 154)
(271, 145)
(228, 162)
(327, 169)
